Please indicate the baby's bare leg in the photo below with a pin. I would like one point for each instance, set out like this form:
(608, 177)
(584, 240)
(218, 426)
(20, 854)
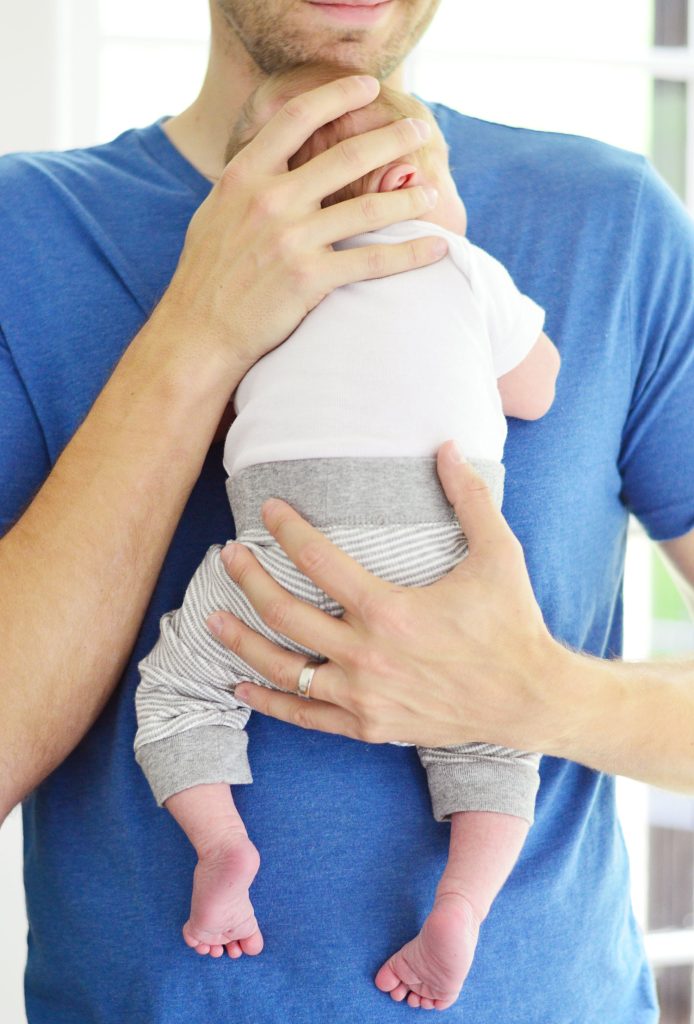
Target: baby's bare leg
(221, 913)
(431, 968)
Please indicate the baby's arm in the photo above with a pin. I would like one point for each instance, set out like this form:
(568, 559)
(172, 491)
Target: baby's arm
(527, 391)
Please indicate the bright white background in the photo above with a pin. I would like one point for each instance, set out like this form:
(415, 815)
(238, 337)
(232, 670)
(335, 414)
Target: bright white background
(75, 72)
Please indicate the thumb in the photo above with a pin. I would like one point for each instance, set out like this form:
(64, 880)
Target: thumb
(480, 519)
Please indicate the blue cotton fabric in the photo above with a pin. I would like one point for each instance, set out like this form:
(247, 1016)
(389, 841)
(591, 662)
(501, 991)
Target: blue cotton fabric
(350, 851)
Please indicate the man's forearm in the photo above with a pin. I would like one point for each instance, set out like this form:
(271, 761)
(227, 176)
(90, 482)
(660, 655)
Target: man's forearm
(625, 718)
(79, 566)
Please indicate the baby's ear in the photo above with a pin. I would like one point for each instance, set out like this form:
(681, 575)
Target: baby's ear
(399, 176)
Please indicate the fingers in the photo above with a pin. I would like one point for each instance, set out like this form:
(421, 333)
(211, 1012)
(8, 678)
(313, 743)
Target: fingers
(330, 568)
(352, 158)
(274, 663)
(370, 261)
(299, 117)
(367, 213)
(479, 517)
(308, 714)
(281, 611)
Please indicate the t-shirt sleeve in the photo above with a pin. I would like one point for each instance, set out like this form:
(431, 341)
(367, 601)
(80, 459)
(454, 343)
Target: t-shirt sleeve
(514, 321)
(657, 452)
(24, 462)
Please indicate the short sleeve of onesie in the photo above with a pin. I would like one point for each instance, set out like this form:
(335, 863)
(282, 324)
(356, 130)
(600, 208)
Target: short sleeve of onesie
(24, 462)
(657, 453)
(514, 321)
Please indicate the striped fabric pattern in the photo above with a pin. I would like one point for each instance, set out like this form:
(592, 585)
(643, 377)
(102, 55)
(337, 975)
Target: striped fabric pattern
(189, 677)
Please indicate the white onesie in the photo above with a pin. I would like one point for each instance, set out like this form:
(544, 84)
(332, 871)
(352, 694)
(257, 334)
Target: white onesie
(322, 393)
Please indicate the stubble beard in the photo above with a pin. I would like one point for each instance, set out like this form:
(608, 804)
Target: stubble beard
(275, 45)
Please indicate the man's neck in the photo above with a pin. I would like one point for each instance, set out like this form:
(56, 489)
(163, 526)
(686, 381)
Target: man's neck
(201, 131)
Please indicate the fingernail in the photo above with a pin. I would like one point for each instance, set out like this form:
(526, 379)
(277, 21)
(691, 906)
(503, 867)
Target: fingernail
(432, 195)
(215, 624)
(455, 453)
(439, 247)
(241, 691)
(369, 80)
(423, 128)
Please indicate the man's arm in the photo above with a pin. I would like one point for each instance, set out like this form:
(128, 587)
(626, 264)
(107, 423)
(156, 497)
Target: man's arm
(79, 566)
(489, 669)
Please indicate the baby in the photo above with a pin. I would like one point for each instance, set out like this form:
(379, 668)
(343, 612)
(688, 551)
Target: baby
(343, 421)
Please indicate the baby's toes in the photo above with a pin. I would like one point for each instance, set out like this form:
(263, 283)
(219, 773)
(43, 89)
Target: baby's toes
(234, 950)
(191, 939)
(253, 944)
(443, 1004)
(427, 1004)
(386, 979)
(399, 992)
(216, 951)
(414, 1000)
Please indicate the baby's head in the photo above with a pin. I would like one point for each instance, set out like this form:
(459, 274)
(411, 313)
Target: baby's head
(427, 165)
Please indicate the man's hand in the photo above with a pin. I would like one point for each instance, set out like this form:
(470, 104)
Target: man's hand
(464, 659)
(258, 252)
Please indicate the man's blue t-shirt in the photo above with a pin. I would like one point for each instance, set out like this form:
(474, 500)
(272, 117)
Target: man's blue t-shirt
(350, 851)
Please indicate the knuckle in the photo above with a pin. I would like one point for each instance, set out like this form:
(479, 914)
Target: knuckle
(392, 614)
(302, 277)
(233, 175)
(276, 613)
(296, 110)
(301, 715)
(369, 206)
(376, 260)
(280, 674)
(266, 202)
(350, 151)
(242, 570)
(311, 557)
(369, 606)
(233, 640)
(413, 254)
(286, 245)
(368, 662)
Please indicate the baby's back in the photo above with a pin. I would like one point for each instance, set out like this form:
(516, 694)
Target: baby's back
(385, 367)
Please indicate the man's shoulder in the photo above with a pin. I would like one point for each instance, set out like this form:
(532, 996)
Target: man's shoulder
(39, 171)
(44, 193)
(120, 206)
(555, 159)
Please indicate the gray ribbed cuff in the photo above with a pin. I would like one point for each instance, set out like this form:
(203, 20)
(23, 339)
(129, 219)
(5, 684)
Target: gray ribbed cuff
(210, 753)
(484, 785)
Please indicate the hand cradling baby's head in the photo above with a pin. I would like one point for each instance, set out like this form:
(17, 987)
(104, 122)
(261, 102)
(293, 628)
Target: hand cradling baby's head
(431, 159)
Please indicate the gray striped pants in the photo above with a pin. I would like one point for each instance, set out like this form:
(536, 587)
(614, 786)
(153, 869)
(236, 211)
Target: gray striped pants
(392, 516)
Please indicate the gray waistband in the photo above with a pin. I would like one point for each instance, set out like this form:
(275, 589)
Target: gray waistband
(351, 491)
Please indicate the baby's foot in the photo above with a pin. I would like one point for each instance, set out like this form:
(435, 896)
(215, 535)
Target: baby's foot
(430, 970)
(221, 913)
